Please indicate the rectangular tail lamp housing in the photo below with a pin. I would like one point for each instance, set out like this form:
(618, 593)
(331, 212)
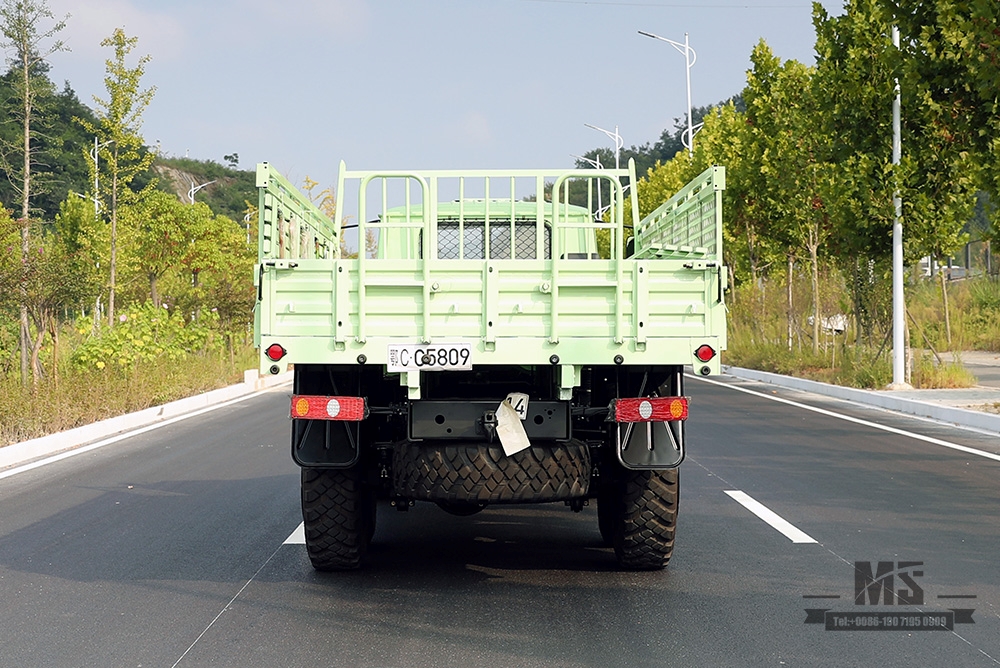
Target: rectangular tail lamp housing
(314, 407)
(649, 409)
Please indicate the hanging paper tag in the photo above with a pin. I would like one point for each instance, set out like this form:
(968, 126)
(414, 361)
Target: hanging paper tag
(513, 438)
(519, 402)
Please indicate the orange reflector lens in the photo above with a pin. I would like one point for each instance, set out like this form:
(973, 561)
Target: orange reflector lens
(311, 407)
(650, 409)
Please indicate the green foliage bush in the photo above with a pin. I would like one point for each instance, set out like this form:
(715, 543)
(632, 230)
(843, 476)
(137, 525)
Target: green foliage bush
(145, 333)
(985, 295)
(758, 334)
(83, 396)
(975, 315)
(928, 374)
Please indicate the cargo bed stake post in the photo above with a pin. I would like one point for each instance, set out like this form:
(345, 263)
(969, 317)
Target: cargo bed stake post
(362, 256)
(569, 378)
(540, 217)
(411, 381)
(429, 208)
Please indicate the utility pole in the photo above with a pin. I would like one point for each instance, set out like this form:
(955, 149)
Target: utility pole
(689, 59)
(195, 189)
(898, 297)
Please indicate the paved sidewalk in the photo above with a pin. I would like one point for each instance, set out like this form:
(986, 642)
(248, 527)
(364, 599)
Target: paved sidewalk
(976, 407)
(983, 365)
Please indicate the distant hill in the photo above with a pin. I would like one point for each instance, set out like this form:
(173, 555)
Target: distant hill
(228, 190)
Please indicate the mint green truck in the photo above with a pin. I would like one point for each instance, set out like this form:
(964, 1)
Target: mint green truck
(491, 343)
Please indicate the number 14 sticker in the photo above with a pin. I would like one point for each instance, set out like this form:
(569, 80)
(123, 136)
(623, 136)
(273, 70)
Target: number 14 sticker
(519, 402)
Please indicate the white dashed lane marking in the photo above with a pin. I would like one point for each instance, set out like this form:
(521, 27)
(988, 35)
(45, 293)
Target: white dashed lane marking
(776, 521)
(298, 536)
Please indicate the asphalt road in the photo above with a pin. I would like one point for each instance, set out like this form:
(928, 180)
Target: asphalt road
(176, 548)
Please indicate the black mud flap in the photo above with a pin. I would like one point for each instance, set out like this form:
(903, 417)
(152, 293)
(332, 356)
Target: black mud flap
(325, 443)
(650, 445)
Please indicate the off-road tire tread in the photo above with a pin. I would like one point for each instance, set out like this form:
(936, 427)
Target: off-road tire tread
(483, 473)
(336, 509)
(647, 503)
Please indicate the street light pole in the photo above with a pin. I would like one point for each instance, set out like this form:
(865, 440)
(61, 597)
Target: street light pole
(619, 142)
(898, 298)
(689, 59)
(596, 164)
(95, 154)
(195, 189)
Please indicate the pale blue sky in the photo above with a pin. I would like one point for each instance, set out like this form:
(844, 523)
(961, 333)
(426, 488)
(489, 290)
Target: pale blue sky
(441, 84)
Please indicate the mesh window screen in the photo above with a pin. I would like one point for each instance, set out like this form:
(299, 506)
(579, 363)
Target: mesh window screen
(474, 240)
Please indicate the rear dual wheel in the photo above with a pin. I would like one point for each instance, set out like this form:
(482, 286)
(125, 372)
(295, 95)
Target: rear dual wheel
(338, 509)
(637, 515)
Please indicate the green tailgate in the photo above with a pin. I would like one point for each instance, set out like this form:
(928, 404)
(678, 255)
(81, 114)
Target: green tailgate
(545, 295)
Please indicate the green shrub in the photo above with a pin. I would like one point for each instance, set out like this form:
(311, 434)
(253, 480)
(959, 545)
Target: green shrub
(985, 295)
(144, 334)
(928, 374)
(83, 396)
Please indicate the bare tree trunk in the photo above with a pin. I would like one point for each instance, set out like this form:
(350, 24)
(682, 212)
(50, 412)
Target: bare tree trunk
(814, 260)
(909, 353)
(25, 337)
(791, 309)
(195, 282)
(54, 331)
(947, 314)
(154, 293)
(114, 240)
(25, 223)
(36, 349)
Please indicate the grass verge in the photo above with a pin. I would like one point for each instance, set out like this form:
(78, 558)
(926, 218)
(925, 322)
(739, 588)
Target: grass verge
(83, 397)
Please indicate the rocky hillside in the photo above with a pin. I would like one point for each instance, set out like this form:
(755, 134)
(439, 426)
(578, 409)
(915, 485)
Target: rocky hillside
(228, 191)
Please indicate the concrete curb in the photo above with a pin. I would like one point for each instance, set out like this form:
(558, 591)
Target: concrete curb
(929, 409)
(19, 453)
(25, 451)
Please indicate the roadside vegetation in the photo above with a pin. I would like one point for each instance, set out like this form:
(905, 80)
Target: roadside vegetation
(761, 336)
(118, 290)
(83, 394)
(126, 275)
(809, 204)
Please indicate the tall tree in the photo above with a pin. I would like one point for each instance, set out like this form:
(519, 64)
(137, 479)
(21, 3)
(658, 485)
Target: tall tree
(949, 66)
(162, 227)
(950, 53)
(86, 239)
(725, 139)
(120, 146)
(796, 180)
(854, 58)
(25, 35)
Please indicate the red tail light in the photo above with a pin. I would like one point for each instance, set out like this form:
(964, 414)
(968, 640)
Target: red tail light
(275, 352)
(311, 407)
(650, 409)
(705, 352)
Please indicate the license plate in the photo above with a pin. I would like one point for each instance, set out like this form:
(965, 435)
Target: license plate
(441, 357)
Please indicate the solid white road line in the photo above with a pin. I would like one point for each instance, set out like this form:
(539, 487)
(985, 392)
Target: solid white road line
(120, 437)
(769, 516)
(892, 430)
(298, 536)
